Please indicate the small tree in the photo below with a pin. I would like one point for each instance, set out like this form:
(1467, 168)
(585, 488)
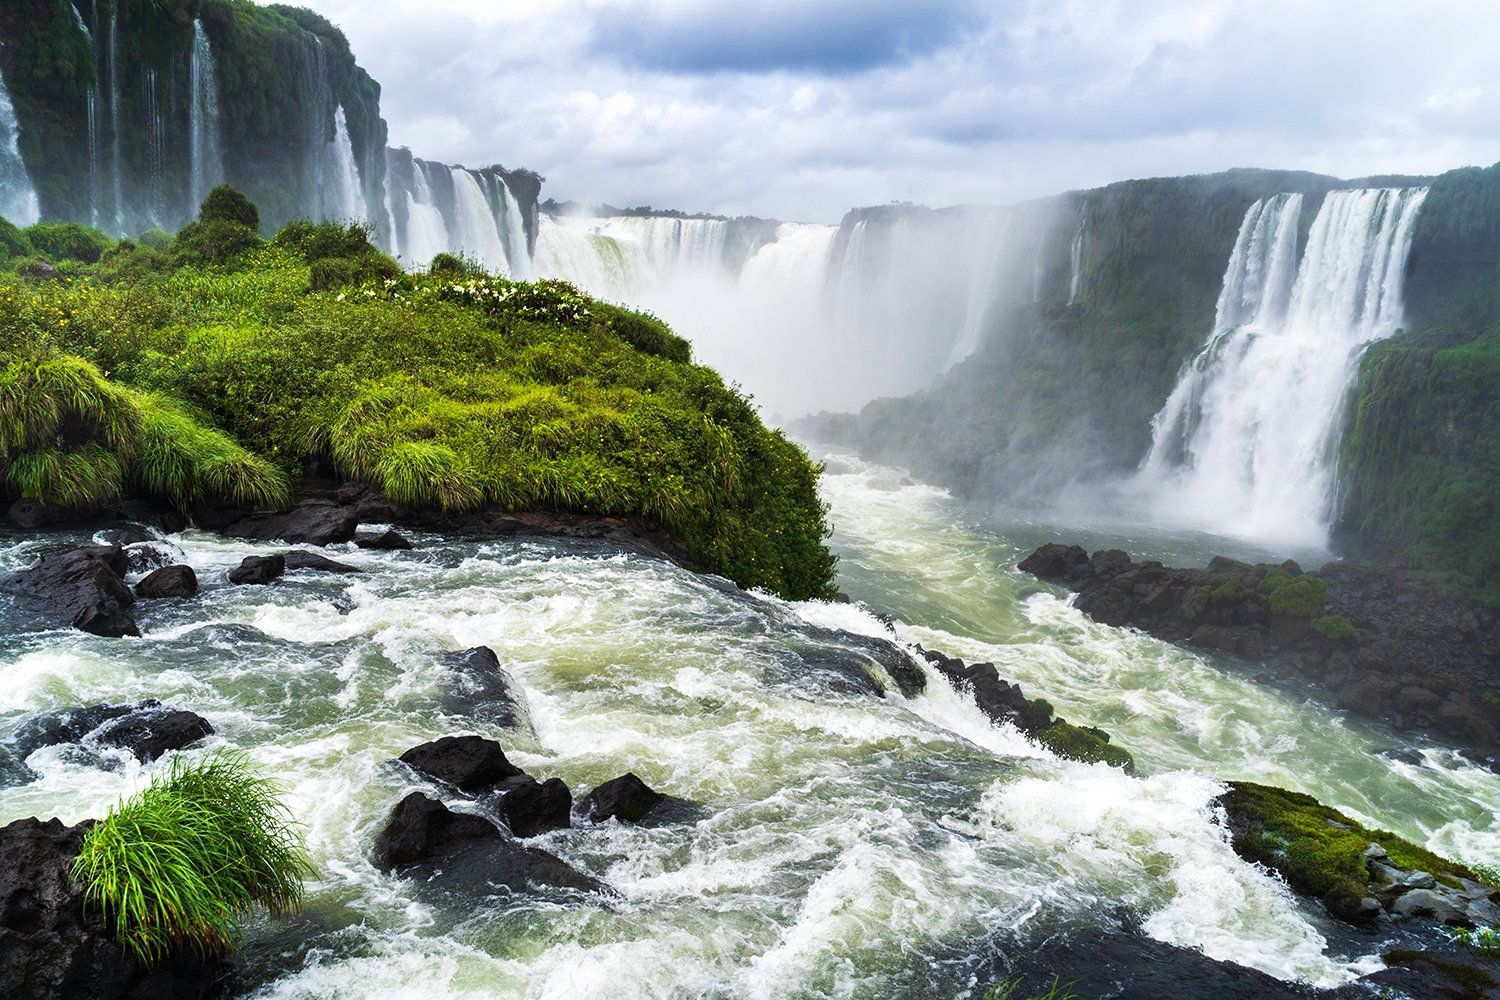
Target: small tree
(228, 204)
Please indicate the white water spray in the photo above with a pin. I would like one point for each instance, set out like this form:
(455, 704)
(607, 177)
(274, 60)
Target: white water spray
(18, 201)
(345, 194)
(204, 125)
(1246, 444)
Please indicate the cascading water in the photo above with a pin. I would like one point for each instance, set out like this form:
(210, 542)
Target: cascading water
(840, 843)
(1075, 263)
(426, 234)
(91, 117)
(18, 200)
(1246, 444)
(344, 196)
(117, 135)
(985, 275)
(207, 147)
(156, 148)
(476, 232)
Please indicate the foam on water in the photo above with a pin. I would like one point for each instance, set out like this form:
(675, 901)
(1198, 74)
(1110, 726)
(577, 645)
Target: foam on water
(842, 844)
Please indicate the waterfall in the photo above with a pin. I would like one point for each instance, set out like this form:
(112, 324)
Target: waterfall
(18, 201)
(476, 231)
(1246, 443)
(512, 229)
(91, 117)
(116, 133)
(344, 196)
(156, 149)
(207, 151)
(983, 280)
(1075, 264)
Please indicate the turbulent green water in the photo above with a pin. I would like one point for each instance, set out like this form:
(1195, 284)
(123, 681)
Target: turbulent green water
(845, 845)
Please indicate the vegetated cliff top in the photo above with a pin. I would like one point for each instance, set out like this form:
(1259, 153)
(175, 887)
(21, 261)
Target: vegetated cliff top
(449, 389)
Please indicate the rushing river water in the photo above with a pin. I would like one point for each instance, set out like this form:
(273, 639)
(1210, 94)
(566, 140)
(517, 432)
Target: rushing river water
(843, 845)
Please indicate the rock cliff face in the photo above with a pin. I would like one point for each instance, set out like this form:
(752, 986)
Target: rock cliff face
(1383, 645)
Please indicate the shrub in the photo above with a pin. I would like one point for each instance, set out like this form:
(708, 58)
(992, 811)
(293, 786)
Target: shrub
(452, 266)
(645, 333)
(69, 241)
(13, 242)
(1302, 596)
(226, 204)
(179, 864)
(129, 262)
(1334, 626)
(330, 273)
(316, 241)
(157, 239)
(215, 241)
(82, 477)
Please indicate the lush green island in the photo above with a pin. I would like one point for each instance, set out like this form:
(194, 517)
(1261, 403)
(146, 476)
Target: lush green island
(217, 367)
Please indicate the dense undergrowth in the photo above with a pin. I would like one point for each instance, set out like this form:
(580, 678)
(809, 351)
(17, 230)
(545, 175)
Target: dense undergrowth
(180, 863)
(217, 365)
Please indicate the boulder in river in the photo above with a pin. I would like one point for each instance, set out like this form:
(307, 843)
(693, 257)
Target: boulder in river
(84, 587)
(169, 581)
(531, 808)
(314, 521)
(626, 798)
(469, 851)
(147, 729)
(386, 541)
(488, 689)
(469, 763)
(55, 947)
(302, 559)
(256, 570)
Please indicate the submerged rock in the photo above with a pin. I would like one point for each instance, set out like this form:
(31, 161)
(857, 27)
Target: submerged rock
(169, 581)
(626, 798)
(55, 947)
(469, 763)
(258, 570)
(425, 837)
(531, 808)
(488, 689)
(83, 587)
(148, 729)
(387, 541)
(143, 557)
(298, 559)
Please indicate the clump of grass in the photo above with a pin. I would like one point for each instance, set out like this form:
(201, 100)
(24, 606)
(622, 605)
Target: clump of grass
(1482, 941)
(82, 477)
(1010, 990)
(181, 461)
(179, 864)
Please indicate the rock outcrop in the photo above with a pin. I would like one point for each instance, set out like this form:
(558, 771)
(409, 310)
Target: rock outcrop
(55, 947)
(83, 587)
(626, 798)
(1383, 645)
(148, 729)
(258, 570)
(169, 581)
(468, 851)
(471, 764)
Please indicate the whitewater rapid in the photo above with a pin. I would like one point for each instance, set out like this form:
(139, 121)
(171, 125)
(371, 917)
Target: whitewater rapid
(844, 845)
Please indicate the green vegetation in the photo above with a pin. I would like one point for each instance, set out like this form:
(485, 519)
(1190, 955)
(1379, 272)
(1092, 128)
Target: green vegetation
(1334, 626)
(1089, 745)
(217, 376)
(180, 863)
(1319, 850)
(1010, 990)
(1302, 596)
(1482, 941)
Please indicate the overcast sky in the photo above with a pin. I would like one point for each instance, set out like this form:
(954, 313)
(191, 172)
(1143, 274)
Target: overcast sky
(799, 109)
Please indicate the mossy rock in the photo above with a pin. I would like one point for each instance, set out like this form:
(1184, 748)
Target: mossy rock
(1319, 850)
(1091, 746)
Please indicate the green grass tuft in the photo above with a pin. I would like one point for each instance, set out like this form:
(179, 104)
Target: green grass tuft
(1010, 990)
(182, 862)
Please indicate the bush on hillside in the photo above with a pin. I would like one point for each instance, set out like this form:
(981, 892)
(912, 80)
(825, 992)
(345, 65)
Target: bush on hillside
(68, 241)
(226, 204)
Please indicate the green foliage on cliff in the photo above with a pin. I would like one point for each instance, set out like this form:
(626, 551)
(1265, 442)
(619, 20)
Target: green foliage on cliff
(1421, 451)
(447, 393)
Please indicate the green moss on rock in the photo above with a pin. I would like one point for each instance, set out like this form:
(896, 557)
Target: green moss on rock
(1091, 746)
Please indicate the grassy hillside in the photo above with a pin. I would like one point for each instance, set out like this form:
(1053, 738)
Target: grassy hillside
(244, 362)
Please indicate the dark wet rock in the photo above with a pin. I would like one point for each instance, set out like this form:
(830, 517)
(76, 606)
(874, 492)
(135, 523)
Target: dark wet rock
(532, 807)
(425, 837)
(1102, 964)
(387, 541)
(1382, 644)
(147, 729)
(152, 514)
(257, 570)
(169, 581)
(626, 798)
(488, 689)
(1439, 969)
(143, 557)
(301, 559)
(314, 521)
(1004, 702)
(34, 515)
(54, 947)
(83, 587)
(469, 763)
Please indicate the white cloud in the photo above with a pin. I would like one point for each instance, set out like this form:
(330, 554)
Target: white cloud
(800, 110)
